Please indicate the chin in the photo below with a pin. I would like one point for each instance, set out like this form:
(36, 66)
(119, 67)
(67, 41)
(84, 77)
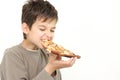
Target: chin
(41, 47)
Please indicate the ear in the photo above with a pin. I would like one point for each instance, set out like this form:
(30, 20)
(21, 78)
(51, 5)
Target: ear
(25, 28)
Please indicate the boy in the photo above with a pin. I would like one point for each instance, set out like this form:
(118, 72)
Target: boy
(29, 60)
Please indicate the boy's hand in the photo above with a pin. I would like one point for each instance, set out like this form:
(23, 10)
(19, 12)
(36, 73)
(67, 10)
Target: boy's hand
(56, 62)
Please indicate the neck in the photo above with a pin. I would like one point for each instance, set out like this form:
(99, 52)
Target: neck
(28, 45)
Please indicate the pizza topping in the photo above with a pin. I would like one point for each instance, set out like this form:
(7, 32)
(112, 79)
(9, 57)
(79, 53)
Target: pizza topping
(57, 49)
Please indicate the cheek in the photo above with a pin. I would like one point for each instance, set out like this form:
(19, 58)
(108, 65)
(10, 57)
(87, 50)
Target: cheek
(35, 35)
(38, 33)
(41, 35)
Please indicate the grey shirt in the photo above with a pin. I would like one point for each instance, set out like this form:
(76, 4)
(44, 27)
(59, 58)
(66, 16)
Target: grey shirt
(21, 64)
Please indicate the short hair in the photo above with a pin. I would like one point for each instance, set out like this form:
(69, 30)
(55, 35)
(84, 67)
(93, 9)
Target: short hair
(37, 9)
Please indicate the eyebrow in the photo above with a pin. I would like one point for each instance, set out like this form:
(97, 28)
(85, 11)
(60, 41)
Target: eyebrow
(41, 26)
(54, 27)
(45, 26)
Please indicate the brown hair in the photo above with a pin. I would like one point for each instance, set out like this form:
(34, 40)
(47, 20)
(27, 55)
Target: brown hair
(35, 9)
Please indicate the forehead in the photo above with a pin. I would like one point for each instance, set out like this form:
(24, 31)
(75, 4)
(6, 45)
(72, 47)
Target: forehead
(47, 23)
(45, 19)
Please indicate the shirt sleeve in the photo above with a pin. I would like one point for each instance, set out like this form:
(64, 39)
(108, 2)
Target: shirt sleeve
(43, 75)
(13, 68)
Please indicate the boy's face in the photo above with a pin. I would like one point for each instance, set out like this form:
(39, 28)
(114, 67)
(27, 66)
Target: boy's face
(40, 31)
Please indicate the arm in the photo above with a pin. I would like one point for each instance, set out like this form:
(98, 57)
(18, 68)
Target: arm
(13, 68)
(55, 62)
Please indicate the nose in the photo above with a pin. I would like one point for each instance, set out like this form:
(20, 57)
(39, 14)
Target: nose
(49, 35)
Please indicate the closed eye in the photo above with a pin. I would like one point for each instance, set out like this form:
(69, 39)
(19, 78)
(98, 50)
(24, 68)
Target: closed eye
(41, 29)
(52, 30)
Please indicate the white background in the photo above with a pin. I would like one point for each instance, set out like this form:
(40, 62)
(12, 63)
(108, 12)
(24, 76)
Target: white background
(90, 28)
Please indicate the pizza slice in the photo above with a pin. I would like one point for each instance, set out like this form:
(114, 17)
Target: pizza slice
(57, 49)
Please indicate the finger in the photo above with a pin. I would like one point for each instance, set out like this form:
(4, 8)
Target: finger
(59, 57)
(69, 62)
(73, 60)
